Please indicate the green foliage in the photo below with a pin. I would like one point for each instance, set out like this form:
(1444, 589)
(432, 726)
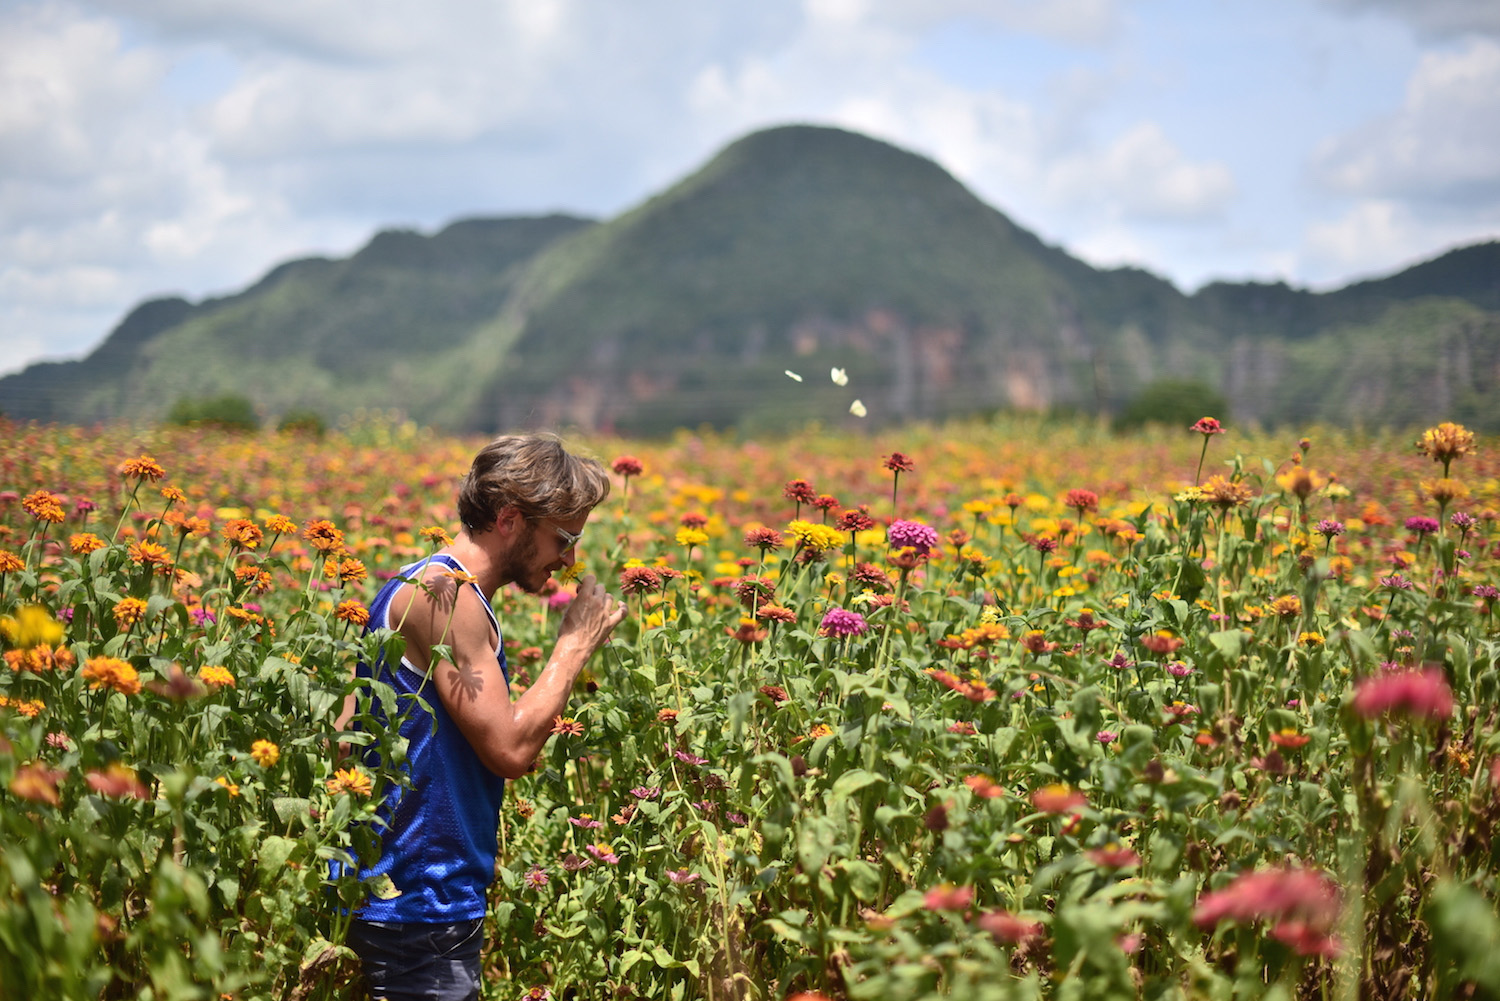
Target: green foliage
(1176, 403)
(229, 412)
(303, 421)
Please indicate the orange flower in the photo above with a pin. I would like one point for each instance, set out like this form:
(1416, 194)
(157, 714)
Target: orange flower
(151, 555)
(44, 506)
(243, 532)
(142, 467)
(10, 562)
(233, 789)
(323, 536)
(438, 535)
(128, 612)
(112, 672)
(79, 544)
(37, 783)
(1057, 798)
(280, 524)
(348, 570)
(349, 780)
(254, 577)
(352, 612)
(216, 676)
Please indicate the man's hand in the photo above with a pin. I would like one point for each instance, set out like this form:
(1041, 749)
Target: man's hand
(591, 616)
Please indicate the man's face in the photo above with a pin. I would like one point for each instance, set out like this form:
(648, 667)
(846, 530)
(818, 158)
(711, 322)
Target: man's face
(540, 551)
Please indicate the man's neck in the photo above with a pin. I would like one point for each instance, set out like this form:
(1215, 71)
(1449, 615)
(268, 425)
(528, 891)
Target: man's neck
(480, 560)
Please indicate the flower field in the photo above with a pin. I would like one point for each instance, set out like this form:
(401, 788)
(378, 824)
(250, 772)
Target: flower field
(1005, 710)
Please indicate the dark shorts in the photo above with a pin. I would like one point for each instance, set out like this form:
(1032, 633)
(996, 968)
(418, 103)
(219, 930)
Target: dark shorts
(416, 962)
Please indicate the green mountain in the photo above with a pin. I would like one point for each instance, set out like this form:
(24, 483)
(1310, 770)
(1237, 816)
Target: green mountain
(798, 248)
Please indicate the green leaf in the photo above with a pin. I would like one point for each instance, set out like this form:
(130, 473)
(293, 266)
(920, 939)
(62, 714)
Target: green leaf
(852, 781)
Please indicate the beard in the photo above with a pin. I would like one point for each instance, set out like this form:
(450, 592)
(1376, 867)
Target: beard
(519, 564)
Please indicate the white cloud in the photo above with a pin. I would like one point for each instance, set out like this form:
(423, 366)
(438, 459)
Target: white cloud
(1143, 176)
(1443, 142)
(1379, 236)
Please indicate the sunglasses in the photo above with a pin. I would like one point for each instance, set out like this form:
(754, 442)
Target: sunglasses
(569, 539)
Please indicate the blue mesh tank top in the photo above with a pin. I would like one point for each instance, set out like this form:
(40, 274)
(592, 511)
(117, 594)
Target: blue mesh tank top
(439, 848)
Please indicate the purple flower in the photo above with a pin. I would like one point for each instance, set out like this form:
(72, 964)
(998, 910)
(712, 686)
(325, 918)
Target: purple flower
(1396, 582)
(691, 759)
(1421, 524)
(842, 622)
(918, 536)
(585, 820)
(1119, 662)
(559, 599)
(202, 616)
(1463, 521)
(1487, 591)
(682, 876)
(736, 818)
(572, 863)
(646, 792)
(1107, 736)
(1328, 528)
(536, 876)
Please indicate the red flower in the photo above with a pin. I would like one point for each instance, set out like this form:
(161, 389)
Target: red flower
(1207, 426)
(1277, 895)
(800, 491)
(627, 465)
(1082, 500)
(899, 463)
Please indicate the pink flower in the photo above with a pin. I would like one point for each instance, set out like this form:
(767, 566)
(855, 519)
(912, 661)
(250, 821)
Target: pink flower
(1207, 426)
(1420, 694)
(912, 534)
(947, 897)
(1113, 856)
(841, 622)
(627, 465)
(1306, 896)
(1007, 928)
(681, 876)
(1057, 798)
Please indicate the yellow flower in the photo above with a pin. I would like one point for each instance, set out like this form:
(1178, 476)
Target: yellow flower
(233, 789)
(1310, 639)
(31, 626)
(216, 676)
(83, 543)
(1446, 442)
(815, 537)
(265, 753)
(691, 537)
(143, 467)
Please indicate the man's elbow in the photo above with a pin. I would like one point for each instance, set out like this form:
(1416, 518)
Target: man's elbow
(511, 766)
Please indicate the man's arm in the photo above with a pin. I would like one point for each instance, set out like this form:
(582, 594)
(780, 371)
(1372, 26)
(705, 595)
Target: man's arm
(506, 734)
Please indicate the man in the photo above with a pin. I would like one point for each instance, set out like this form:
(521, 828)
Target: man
(523, 506)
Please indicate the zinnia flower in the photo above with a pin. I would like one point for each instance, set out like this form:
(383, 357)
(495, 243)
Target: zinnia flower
(1008, 929)
(142, 467)
(1419, 694)
(627, 466)
(352, 612)
(947, 897)
(1446, 442)
(265, 753)
(36, 783)
(216, 676)
(118, 781)
(113, 673)
(566, 726)
(323, 536)
(1057, 798)
(1207, 426)
(913, 535)
(896, 462)
(243, 532)
(841, 623)
(349, 780)
(638, 580)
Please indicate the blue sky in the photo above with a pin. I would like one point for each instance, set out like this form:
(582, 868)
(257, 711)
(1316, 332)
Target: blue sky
(152, 147)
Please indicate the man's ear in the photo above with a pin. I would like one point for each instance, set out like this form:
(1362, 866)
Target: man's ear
(509, 521)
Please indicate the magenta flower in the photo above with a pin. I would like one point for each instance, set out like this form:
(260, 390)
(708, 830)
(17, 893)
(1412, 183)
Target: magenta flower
(536, 876)
(1422, 525)
(912, 534)
(681, 876)
(1302, 905)
(842, 623)
(1328, 528)
(1395, 582)
(646, 792)
(603, 853)
(585, 820)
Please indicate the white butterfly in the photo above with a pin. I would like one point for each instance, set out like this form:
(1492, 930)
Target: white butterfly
(857, 409)
(840, 377)
(793, 375)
